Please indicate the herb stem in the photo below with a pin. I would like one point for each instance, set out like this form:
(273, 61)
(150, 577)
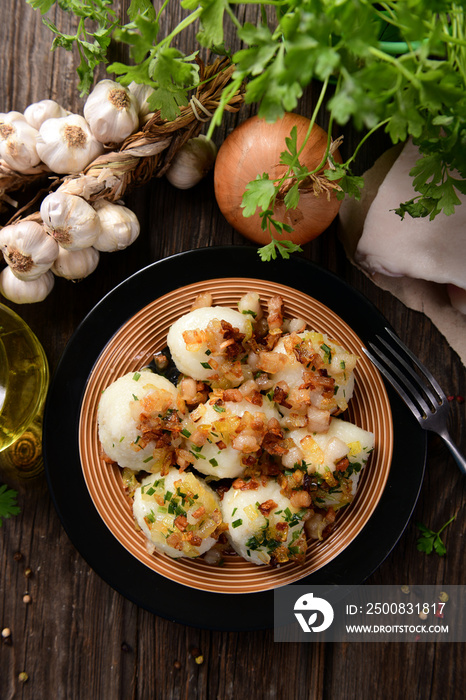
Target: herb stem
(233, 17)
(159, 13)
(364, 139)
(179, 28)
(377, 53)
(319, 102)
(446, 525)
(227, 94)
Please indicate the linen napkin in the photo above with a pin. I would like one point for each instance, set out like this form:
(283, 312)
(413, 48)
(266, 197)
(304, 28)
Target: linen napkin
(421, 262)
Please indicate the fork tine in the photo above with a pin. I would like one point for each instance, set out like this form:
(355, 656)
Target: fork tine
(434, 399)
(396, 385)
(430, 378)
(432, 418)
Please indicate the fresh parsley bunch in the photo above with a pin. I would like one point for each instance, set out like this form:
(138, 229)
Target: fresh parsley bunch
(418, 91)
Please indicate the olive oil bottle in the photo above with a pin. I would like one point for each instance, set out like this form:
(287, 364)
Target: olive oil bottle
(24, 377)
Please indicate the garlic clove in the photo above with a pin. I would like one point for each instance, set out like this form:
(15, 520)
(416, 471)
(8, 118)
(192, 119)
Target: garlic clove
(76, 264)
(18, 144)
(25, 291)
(38, 112)
(192, 162)
(27, 249)
(66, 144)
(111, 111)
(142, 94)
(119, 226)
(70, 220)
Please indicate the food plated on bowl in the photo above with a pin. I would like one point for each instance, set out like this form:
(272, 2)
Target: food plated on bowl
(261, 424)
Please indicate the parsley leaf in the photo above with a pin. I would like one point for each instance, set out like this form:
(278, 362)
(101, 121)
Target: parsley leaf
(430, 541)
(97, 21)
(283, 248)
(259, 193)
(8, 505)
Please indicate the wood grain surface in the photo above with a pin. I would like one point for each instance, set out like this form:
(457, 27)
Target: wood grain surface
(78, 639)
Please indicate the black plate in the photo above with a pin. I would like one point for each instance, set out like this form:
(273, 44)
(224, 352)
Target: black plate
(81, 520)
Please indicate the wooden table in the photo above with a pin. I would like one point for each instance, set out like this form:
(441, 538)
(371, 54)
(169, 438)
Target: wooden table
(78, 638)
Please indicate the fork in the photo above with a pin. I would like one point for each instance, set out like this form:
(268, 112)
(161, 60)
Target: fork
(420, 392)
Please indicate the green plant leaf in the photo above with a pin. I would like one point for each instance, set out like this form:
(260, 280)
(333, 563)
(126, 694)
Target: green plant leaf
(42, 5)
(430, 541)
(141, 7)
(8, 505)
(211, 20)
(259, 193)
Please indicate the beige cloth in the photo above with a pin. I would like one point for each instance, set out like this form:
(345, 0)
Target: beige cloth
(420, 292)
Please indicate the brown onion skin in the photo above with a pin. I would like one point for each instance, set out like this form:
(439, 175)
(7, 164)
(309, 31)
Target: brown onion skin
(253, 148)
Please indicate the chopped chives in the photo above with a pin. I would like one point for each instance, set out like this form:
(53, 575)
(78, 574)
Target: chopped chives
(327, 353)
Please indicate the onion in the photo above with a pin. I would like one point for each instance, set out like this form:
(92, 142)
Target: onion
(253, 148)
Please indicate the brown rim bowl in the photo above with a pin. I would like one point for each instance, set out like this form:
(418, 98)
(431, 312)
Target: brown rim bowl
(134, 345)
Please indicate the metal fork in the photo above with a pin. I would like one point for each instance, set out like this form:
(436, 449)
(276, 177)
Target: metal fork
(422, 394)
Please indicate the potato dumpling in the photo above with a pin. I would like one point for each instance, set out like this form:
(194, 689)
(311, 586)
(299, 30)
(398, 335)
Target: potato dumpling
(133, 411)
(316, 371)
(206, 344)
(178, 513)
(226, 434)
(263, 526)
(334, 460)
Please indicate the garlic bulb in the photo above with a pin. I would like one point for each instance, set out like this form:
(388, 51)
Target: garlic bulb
(8, 117)
(27, 249)
(18, 141)
(141, 93)
(25, 291)
(70, 220)
(38, 112)
(111, 112)
(66, 144)
(120, 226)
(76, 264)
(192, 162)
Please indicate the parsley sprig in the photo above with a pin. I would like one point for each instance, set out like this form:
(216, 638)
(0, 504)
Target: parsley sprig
(345, 46)
(8, 504)
(430, 541)
(92, 43)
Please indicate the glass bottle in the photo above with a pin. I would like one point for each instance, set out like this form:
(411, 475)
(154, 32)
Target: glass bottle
(24, 379)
